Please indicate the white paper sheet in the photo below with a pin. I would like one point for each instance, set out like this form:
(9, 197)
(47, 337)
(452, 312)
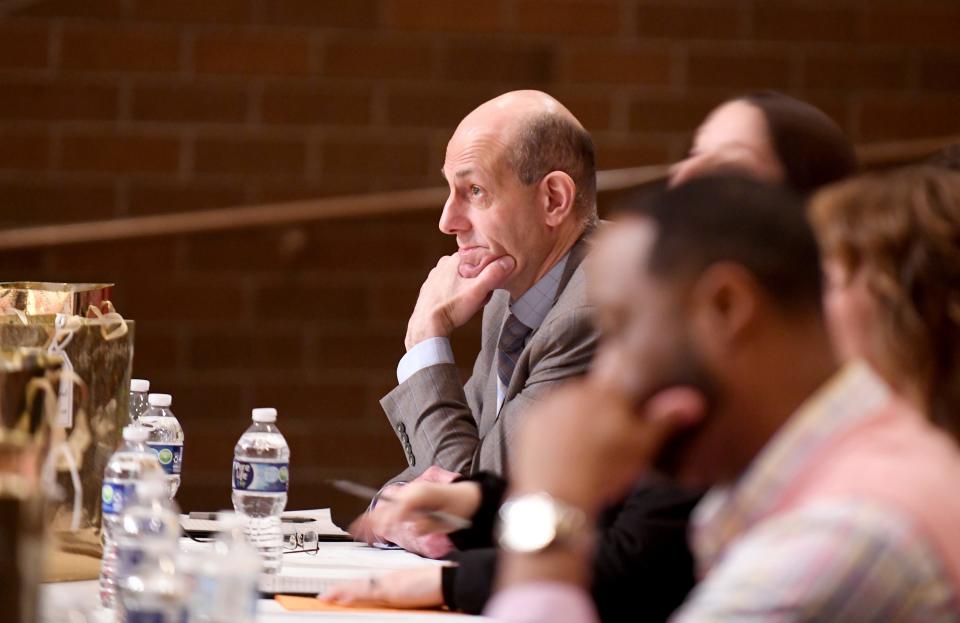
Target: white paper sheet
(332, 563)
(305, 573)
(322, 523)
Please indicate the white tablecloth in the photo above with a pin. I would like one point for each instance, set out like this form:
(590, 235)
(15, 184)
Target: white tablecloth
(78, 602)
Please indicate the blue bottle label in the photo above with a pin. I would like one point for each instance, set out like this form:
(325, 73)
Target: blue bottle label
(169, 455)
(114, 495)
(128, 557)
(264, 477)
(153, 616)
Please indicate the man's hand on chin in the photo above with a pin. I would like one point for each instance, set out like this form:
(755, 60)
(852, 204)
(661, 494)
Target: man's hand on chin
(448, 300)
(587, 443)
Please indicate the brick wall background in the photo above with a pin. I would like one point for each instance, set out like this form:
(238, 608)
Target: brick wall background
(131, 107)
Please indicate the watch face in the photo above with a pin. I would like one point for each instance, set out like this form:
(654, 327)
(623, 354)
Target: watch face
(529, 523)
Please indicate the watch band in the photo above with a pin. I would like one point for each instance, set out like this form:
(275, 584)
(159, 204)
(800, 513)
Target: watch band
(533, 522)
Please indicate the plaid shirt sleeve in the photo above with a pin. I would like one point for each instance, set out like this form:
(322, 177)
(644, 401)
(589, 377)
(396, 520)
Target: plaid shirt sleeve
(832, 561)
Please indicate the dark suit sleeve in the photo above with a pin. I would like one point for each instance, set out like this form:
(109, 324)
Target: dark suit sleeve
(468, 586)
(480, 533)
(642, 560)
(642, 556)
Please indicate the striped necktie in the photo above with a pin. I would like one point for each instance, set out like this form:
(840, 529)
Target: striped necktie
(509, 348)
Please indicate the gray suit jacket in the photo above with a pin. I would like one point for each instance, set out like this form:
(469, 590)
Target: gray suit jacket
(441, 421)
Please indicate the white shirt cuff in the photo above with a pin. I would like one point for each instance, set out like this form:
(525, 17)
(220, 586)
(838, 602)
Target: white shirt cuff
(429, 352)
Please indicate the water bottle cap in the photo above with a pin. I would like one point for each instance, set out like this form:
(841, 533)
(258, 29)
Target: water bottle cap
(139, 385)
(230, 520)
(265, 415)
(160, 400)
(135, 432)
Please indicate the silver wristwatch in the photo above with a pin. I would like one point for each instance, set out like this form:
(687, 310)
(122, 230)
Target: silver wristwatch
(533, 522)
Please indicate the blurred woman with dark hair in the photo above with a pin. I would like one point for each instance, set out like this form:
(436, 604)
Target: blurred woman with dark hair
(771, 137)
(891, 249)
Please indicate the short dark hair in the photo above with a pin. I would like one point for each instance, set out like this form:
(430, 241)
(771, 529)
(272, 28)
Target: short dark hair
(549, 142)
(727, 218)
(811, 147)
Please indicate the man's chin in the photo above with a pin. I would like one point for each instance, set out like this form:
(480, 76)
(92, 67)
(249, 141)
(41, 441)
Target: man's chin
(469, 271)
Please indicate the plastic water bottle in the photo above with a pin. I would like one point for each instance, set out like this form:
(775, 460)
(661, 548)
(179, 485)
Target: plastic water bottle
(261, 475)
(149, 525)
(222, 584)
(138, 398)
(165, 437)
(125, 469)
(149, 587)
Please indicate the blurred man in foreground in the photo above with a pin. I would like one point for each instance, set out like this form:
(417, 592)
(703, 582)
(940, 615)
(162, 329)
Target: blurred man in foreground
(831, 499)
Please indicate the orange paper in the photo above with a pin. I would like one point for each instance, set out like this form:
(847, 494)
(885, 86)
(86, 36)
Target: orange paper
(312, 604)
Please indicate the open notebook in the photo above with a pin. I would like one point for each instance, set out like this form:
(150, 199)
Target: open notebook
(334, 558)
(332, 563)
(316, 521)
(296, 585)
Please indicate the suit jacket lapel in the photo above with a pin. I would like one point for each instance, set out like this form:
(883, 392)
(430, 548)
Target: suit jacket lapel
(520, 373)
(489, 416)
(500, 309)
(577, 252)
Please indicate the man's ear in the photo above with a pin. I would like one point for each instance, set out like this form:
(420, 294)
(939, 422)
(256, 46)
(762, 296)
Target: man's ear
(725, 304)
(559, 192)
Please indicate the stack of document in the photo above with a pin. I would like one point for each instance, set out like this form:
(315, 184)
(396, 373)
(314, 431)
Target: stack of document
(313, 574)
(317, 521)
(329, 562)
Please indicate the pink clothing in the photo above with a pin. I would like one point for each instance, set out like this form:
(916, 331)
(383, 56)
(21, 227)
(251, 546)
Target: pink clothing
(897, 460)
(542, 602)
(850, 512)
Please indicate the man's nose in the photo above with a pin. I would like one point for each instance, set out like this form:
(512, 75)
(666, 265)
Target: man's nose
(453, 219)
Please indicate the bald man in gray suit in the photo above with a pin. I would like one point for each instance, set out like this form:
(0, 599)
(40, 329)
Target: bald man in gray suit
(522, 204)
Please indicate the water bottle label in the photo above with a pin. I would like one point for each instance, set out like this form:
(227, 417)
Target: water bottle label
(127, 559)
(169, 455)
(153, 616)
(114, 495)
(265, 477)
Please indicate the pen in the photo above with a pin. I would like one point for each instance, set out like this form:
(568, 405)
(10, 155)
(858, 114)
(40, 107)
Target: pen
(369, 493)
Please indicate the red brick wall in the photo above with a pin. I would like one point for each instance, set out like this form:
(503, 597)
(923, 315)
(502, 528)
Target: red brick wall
(131, 107)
